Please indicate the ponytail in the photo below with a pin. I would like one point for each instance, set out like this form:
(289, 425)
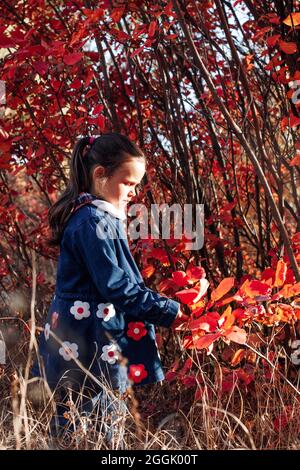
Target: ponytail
(61, 210)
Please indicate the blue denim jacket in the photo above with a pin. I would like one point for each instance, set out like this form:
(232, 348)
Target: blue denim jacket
(102, 314)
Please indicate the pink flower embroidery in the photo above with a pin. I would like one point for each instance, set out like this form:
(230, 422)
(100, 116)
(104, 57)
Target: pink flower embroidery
(47, 331)
(54, 320)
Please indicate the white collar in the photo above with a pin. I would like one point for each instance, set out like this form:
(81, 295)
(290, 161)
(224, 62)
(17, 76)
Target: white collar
(110, 208)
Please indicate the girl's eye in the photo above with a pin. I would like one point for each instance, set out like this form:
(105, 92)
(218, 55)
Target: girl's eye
(136, 187)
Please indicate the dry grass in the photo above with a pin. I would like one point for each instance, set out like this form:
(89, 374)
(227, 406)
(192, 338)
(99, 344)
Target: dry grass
(264, 415)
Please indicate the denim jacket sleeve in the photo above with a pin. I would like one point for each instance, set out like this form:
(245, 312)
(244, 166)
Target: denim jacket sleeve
(114, 284)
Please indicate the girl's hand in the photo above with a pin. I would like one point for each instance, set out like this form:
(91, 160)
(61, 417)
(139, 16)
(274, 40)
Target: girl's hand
(180, 321)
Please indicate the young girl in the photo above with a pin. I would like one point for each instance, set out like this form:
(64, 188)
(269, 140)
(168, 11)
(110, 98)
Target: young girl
(101, 320)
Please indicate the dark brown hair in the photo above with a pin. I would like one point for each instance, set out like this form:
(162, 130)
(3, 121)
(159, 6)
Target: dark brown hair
(108, 150)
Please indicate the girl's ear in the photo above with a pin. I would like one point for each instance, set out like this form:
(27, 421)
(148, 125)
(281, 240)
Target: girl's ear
(98, 172)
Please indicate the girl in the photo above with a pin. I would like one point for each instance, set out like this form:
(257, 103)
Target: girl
(101, 320)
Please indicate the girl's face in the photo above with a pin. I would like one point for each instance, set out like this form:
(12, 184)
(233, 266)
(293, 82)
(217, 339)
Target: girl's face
(119, 188)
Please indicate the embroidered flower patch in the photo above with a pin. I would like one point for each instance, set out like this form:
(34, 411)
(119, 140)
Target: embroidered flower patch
(69, 351)
(105, 311)
(80, 310)
(136, 330)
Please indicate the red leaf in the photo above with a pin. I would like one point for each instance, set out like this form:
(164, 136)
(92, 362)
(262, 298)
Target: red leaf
(5, 161)
(240, 315)
(168, 10)
(152, 29)
(117, 13)
(187, 296)
(267, 274)
(190, 296)
(189, 380)
(101, 122)
(40, 67)
(208, 323)
(272, 40)
(195, 272)
(295, 289)
(187, 366)
(237, 357)
(227, 319)
(206, 340)
(199, 394)
(98, 109)
(159, 254)
(6, 41)
(256, 288)
(119, 35)
(227, 385)
(288, 47)
(148, 271)
(71, 59)
(188, 343)
(222, 289)
(295, 161)
(280, 275)
(244, 377)
(137, 51)
(274, 19)
(171, 36)
(236, 334)
(180, 278)
(170, 375)
(226, 301)
(294, 121)
(296, 236)
(167, 284)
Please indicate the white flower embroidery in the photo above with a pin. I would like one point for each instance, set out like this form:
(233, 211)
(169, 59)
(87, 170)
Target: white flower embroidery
(69, 351)
(47, 329)
(80, 310)
(106, 311)
(110, 353)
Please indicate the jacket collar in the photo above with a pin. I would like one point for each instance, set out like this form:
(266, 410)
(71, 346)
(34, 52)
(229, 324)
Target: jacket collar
(87, 198)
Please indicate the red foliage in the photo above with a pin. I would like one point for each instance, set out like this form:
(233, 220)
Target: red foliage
(75, 70)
